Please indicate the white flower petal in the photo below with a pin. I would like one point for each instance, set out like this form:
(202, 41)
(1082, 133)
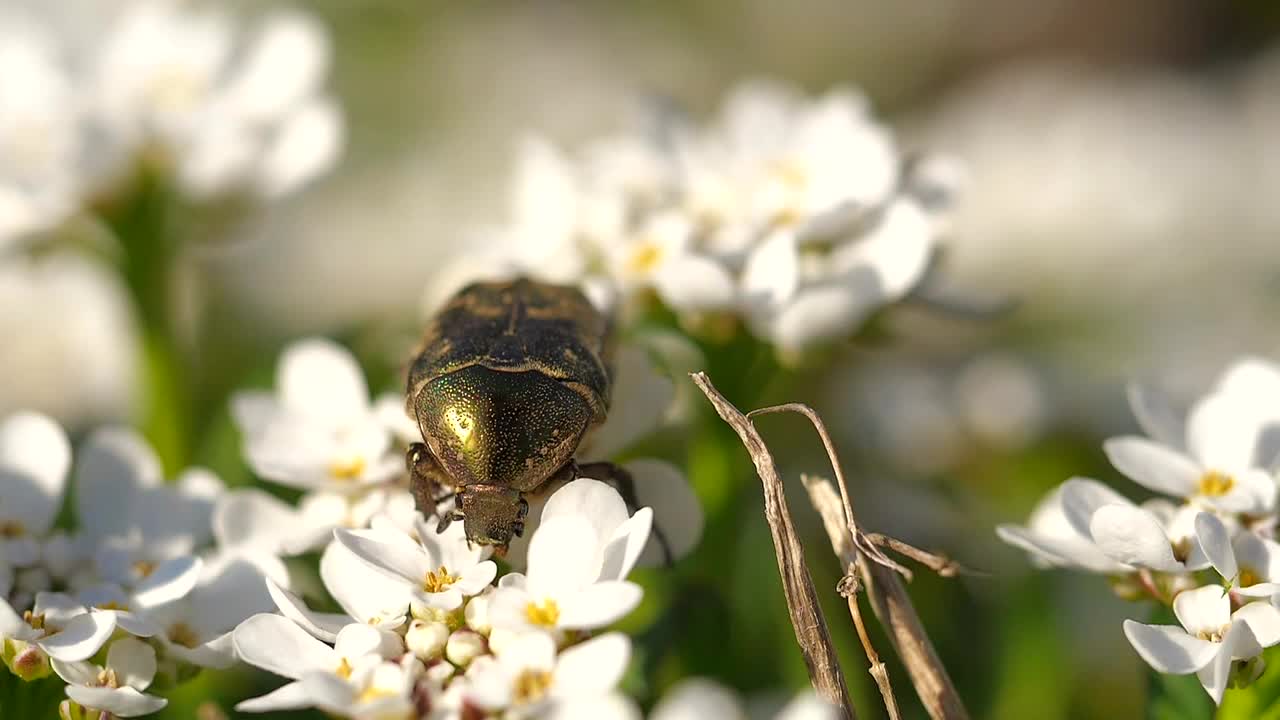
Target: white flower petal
(34, 458)
(1263, 620)
(323, 626)
(81, 637)
(319, 379)
(698, 698)
(772, 273)
(306, 146)
(625, 545)
(395, 560)
(1133, 536)
(826, 313)
(641, 396)
(896, 252)
(1215, 541)
(1169, 649)
(283, 65)
(290, 696)
(363, 592)
(614, 706)
(599, 605)
(228, 598)
(122, 702)
(1080, 499)
(693, 283)
(564, 556)
(112, 464)
(1153, 465)
(329, 692)
(1222, 431)
(1156, 416)
(593, 667)
(1205, 609)
(250, 518)
(133, 661)
(677, 511)
(277, 645)
(1215, 676)
(171, 580)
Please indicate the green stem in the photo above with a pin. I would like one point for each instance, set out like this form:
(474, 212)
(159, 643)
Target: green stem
(143, 222)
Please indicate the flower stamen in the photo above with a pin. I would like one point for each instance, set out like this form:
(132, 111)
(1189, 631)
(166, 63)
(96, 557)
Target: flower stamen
(439, 580)
(545, 613)
(1216, 484)
(348, 469)
(531, 686)
(183, 634)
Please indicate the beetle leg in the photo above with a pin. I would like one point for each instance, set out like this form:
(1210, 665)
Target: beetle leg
(427, 480)
(619, 479)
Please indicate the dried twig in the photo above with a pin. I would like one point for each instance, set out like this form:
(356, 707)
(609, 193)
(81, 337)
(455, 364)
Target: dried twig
(802, 600)
(829, 506)
(880, 575)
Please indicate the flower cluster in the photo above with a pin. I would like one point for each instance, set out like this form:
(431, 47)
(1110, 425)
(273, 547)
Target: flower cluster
(425, 632)
(1216, 470)
(136, 593)
(165, 86)
(798, 216)
(319, 431)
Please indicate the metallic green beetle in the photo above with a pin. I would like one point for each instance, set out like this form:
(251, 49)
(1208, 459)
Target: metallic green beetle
(509, 378)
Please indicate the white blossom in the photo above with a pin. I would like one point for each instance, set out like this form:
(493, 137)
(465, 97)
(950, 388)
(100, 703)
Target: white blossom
(528, 674)
(118, 686)
(1211, 637)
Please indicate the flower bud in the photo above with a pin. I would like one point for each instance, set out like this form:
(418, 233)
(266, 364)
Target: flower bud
(68, 710)
(25, 660)
(477, 614)
(426, 640)
(464, 646)
(498, 637)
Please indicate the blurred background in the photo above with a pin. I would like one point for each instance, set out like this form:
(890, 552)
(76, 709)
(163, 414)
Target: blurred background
(1123, 165)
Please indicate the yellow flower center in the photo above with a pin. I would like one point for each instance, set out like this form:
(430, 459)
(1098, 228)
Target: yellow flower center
(112, 605)
(531, 685)
(35, 621)
(438, 580)
(11, 529)
(1216, 484)
(1248, 577)
(545, 613)
(1181, 549)
(644, 258)
(343, 670)
(183, 634)
(1213, 635)
(144, 568)
(107, 678)
(373, 693)
(347, 469)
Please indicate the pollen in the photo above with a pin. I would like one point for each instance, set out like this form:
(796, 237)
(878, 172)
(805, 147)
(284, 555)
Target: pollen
(343, 670)
(144, 568)
(183, 634)
(1216, 484)
(531, 686)
(1214, 635)
(35, 621)
(644, 258)
(348, 469)
(372, 693)
(107, 678)
(12, 529)
(1248, 577)
(545, 613)
(438, 580)
(112, 605)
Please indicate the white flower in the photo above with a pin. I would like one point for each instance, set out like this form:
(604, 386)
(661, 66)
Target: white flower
(528, 674)
(131, 522)
(365, 594)
(439, 570)
(1156, 535)
(1210, 639)
(116, 687)
(277, 645)
(40, 132)
(566, 587)
(168, 583)
(698, 698)
(661, 255)
(374, 689)
(197, 627)
(319, 430)
(34, 459)
(61, 627)
(1051, 539)
(66, 307)
(1220, 467)
(168, 75)
(1250, 564)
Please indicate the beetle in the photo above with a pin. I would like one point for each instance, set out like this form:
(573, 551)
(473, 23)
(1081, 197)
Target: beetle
(509, 377)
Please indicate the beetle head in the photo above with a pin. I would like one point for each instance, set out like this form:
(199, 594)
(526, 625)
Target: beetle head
(492, 515)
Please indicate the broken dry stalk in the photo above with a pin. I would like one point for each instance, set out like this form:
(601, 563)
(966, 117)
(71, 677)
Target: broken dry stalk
(802, 600)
